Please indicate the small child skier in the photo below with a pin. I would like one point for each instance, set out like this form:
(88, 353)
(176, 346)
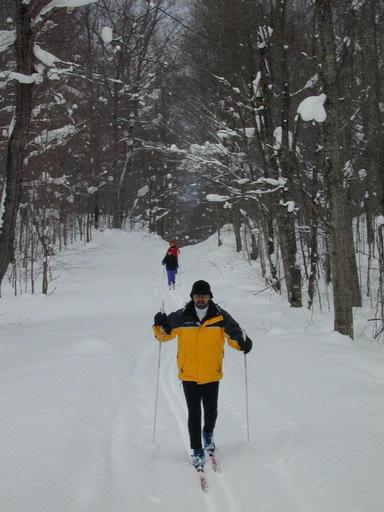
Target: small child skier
(171, 265)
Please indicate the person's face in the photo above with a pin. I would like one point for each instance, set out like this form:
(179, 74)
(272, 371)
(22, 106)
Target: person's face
(200, 301)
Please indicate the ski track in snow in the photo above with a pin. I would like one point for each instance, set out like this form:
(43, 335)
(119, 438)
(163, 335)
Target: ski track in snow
(221, 495)
(83, 371)
(291, 473)
(218, 499)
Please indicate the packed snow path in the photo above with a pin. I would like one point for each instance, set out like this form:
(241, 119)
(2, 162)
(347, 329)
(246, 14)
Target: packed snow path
(77, 390)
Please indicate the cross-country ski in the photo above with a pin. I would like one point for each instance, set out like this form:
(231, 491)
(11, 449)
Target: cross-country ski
(214, 463)
(203, 480)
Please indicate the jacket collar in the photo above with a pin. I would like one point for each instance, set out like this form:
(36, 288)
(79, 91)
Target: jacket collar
(190, 312)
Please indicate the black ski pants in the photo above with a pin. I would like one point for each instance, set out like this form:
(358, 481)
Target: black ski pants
(194, 395)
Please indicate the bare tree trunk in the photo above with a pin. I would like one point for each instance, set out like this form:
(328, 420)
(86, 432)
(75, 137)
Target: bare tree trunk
(89, 227)
(44, 287)
(313, 259)
(218, 220)
(18, 138)
(313, 248)
(286, 218)
(374, 62)
(236, 227)
(380, 293)
(116, 212)
(32, 262)
(340, 232)
(93, 124)
(254, 254)
(255, 248)
(268, 236)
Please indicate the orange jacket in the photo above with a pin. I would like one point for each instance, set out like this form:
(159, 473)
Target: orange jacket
(201, 346)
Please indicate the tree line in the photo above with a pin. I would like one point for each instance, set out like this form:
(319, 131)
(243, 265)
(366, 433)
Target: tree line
(180, 118)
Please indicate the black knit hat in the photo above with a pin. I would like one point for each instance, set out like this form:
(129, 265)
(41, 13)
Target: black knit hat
(201, 288)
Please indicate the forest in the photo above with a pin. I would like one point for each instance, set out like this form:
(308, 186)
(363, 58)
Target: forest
(181, 117)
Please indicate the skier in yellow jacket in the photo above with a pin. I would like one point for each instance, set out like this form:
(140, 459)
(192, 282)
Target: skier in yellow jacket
(201, 327)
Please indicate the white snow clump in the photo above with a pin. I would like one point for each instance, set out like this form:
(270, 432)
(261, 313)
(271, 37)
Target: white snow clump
(106, 35)
(312, 108)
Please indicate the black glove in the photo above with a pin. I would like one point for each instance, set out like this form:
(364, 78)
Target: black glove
(245, 345)
(160, 319)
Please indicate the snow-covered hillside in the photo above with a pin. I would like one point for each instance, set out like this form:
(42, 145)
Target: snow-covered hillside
(77, 394)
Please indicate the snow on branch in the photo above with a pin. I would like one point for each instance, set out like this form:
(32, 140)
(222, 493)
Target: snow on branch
(7, 38)
(207, 149)
(207, 155)
(216, 198)
(49, 180)
(8, 76)
(45, 57)
(222, 80)
(174, 149)
(311, 82)
(158, 217)
(226, 133)
(50, 61)
(312, 108)
(265, 33)
(59, 135)
(290, 205)
(143, 191)
(357, 4)
(106, 35)
(59, 4)
(280, 182)
(256, 86)
(308, 85)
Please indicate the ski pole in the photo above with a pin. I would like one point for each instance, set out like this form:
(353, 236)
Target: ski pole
(246, 388)
(157, 387)
(246, 396)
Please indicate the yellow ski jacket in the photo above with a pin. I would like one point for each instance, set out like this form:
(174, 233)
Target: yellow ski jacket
(201, 345)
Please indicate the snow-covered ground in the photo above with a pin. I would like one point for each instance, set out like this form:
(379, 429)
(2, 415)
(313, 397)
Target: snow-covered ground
(77, 394)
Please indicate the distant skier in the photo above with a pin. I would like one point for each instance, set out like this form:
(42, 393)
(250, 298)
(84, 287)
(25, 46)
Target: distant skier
(171, 265)
(201, 327)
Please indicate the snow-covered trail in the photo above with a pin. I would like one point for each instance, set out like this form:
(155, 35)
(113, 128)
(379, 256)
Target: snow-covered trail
(77, 394)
